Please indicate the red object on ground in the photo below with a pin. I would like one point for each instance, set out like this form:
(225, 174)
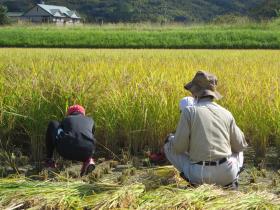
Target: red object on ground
(50, 164)
(157, 158)
(76, 108)
(87, 167)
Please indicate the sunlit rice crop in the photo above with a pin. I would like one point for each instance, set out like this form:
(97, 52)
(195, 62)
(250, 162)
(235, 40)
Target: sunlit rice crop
(133, 94)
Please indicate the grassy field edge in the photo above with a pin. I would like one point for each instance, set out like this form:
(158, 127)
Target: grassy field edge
(208, 37)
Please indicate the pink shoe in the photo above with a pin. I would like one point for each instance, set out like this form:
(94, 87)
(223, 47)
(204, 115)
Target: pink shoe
(88, 167)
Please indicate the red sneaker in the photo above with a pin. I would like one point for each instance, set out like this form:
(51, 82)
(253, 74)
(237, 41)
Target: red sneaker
(49, 163)
(88, 167)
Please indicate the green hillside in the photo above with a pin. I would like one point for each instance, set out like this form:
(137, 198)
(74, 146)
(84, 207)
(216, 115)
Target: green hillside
(267, 9)
(149, 10)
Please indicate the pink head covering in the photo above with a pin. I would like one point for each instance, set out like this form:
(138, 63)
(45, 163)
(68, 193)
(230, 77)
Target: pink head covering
(76, 108)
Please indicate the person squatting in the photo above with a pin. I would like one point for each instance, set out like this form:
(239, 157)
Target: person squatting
(207, 146)
(73, 139)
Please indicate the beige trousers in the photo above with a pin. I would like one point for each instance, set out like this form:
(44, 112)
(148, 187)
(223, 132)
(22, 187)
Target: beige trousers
(223, 174)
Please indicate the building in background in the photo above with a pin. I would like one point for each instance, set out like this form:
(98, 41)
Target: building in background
(43, 13)
(14, 16)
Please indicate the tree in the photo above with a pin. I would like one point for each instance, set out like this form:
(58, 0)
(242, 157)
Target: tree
(3, 15)
(277, 11)
(268, 9)
(123, 11)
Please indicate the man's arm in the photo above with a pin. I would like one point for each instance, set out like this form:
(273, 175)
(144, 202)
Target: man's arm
(180, 142)
(237, 139)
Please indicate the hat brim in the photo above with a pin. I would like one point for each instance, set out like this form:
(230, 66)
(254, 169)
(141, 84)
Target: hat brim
(188, 86)
(207, 92)
(203, 92)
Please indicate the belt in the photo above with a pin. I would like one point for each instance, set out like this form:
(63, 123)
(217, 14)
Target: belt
(212, 163)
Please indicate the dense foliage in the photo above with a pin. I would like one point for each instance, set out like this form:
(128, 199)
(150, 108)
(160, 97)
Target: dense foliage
(3, 15)
(153, 10)
(268, 9)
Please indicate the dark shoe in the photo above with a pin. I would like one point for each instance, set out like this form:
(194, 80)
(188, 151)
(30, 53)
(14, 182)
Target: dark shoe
(88, 167)
(182, 175)
(233, 186)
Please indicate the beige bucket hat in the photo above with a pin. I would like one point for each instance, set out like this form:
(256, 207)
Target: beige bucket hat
(204, 84)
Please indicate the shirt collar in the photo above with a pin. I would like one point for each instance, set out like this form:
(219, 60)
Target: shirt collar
(204, 100)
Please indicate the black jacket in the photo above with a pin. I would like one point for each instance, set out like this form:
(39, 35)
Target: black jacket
(77, 141)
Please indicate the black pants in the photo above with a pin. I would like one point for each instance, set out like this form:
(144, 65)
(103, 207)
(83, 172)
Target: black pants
(68, 148)
(51, 138)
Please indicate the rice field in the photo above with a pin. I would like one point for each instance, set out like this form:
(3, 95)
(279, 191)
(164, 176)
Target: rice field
(133, 95)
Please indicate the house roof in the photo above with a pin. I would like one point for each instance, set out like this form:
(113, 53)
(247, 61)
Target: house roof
(59, 11)
(14, 14)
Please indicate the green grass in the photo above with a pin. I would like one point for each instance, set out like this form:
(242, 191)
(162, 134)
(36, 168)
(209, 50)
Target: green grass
(248, 36)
